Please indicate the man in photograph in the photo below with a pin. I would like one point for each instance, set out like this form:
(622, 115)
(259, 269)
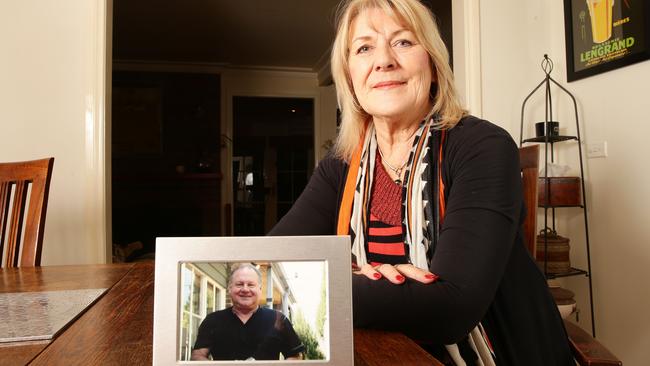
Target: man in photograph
(246, 331)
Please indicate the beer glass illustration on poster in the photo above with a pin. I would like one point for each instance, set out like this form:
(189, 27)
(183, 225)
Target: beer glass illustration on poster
(602, 35)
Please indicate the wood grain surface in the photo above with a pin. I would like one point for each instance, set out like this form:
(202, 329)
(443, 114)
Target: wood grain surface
(12, 354)
(529, 163)
(379, 348)
(588, 351)
(33, 279)
(117, 330)
(54, 278)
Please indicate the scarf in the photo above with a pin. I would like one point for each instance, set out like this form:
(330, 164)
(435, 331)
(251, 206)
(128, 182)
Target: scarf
(423, 210)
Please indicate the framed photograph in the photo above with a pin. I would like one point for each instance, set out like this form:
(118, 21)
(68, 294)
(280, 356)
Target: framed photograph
(603, 35)
(300, 288)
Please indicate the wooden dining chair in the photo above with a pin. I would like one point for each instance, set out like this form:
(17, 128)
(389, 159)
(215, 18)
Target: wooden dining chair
(586, 350)
(24, 188)
(529, 163)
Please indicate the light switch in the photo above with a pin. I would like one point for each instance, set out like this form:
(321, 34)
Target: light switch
(597, 149)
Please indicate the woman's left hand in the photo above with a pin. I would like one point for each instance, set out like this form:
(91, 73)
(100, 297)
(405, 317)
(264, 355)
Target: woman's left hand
(396, 274)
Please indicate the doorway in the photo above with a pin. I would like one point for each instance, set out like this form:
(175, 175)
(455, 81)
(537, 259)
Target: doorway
(273, 158)
(175, 42)
(166, 174)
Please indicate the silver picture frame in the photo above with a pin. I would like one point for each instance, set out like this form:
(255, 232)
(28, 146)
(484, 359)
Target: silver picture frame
(171, 253)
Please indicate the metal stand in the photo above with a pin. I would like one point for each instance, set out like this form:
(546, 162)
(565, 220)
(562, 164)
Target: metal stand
(547, 66)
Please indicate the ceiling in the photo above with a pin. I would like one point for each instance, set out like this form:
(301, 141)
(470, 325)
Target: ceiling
(289, 34)
(277, 34)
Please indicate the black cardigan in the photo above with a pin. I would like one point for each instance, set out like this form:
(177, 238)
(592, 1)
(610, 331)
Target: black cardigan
(486, 273)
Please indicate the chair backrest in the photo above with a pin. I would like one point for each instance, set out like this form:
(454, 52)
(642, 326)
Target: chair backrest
(529, 162)
(586, 350)
(16, 181)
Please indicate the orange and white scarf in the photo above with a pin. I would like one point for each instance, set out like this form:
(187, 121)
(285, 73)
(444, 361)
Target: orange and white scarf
(423, 209)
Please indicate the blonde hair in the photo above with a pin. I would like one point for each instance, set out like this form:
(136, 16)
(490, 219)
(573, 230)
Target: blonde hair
(418, 19)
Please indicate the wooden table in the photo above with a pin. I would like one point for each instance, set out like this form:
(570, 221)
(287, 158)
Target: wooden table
(118, 328)
(115, 330)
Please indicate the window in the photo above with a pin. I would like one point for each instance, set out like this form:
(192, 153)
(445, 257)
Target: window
(200, 296)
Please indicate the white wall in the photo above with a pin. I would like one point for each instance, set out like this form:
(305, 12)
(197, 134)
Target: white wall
(513, 42)
(52, 80)
(514, 36)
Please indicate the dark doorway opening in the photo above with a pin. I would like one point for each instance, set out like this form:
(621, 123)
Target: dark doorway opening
(273, 157)
(166, 176)
(150, 197)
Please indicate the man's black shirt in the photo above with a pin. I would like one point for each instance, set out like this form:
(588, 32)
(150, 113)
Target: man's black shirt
(264, 336)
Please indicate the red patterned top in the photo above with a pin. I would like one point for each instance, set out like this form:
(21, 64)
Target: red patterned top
(385, 233)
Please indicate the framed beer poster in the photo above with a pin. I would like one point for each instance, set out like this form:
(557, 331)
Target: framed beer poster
(603, 35)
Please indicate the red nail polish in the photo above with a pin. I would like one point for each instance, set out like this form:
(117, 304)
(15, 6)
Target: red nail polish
(376, 275)
(430, 276)
(399, 278)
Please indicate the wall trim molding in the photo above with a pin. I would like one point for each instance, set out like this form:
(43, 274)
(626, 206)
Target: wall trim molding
(97, 136)
(466, 15)
(208, 68)
(323, 68)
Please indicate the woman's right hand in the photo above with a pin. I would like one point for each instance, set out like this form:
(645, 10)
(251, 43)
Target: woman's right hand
(396, 274)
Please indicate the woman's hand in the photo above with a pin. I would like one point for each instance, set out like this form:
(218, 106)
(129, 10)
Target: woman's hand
(396, 274)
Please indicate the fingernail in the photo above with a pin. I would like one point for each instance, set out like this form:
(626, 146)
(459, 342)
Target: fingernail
(376, 275)
(399, 278)
(430, 276)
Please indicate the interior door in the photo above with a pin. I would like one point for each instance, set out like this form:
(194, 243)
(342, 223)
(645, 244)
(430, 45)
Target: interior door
(273, 157)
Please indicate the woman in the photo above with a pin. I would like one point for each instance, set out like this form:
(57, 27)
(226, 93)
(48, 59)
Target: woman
(431, 198)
